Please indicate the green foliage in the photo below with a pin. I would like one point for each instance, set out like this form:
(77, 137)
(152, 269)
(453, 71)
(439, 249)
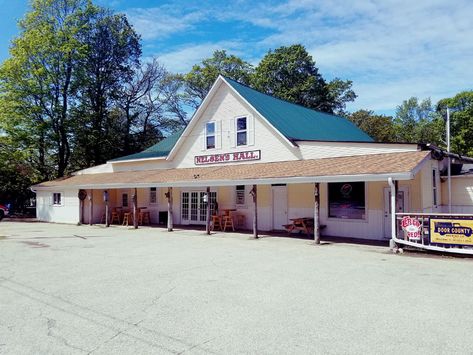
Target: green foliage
(417, 122)
(378, 127)
(200, 79)
(290, 74)
(461, 121)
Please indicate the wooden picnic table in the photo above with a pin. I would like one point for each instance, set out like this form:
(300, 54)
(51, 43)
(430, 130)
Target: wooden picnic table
(301, 224)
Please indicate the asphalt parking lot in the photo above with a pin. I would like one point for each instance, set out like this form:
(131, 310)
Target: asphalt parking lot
(73, 290)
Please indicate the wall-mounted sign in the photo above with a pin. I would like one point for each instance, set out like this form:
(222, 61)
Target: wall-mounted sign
(412, 227)
(451, 231)
(227, 157)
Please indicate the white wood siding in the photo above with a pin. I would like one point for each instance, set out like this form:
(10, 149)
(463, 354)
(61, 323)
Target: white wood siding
(67, 212)
(223, 108)
(317, 150)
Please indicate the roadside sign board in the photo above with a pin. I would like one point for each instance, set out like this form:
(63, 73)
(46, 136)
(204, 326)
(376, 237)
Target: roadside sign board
(457, 231)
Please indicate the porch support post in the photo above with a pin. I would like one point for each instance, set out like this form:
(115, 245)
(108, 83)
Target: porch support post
(254, 193)
(207, 223)
(107, 220)
(169, 197)
(316, 214)
(393, 186)
(135, 209)
(90, 206)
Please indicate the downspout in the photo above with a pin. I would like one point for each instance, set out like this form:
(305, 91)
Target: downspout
(392, 185)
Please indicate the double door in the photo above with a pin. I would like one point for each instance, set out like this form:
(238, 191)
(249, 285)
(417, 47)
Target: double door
(194, 206)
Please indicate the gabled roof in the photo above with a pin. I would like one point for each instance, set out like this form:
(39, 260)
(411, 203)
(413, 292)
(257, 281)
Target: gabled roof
(297, 122)
(160, 149)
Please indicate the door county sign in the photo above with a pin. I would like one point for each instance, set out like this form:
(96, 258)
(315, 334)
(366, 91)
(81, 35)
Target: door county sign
(451, 231)
(227, 157)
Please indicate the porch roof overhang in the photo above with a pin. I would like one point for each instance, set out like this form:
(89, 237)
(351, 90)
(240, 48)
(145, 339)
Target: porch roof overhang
(376, 167)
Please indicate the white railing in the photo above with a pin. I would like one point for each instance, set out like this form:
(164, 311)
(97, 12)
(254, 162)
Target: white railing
(442, 232)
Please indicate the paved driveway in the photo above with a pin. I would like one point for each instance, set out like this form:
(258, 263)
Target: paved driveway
(73, 290)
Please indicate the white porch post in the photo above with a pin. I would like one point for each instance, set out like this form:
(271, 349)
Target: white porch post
(169, 197)
(207, 223)
(316, 214)
(254, 193)
(135, 209)
(91, 201)
(392, 184)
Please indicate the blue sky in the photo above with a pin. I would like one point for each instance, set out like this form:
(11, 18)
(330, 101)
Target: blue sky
(390, 49)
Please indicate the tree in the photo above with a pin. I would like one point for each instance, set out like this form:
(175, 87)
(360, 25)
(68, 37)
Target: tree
(379, 127)
(200, 79)
(36, 82)
(417, 122)
(290, 74)
(461, 118)
(113, 52)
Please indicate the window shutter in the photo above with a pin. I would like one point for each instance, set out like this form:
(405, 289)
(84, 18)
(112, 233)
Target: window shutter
(232, 133)
(251, 130)
(218, 134)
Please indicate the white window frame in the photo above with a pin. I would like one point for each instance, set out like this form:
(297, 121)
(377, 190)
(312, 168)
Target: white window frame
(127, 199)
(243, 193)
(151, 193)
(207, 135)
(53, 201)
(435, 187)
(246, 131)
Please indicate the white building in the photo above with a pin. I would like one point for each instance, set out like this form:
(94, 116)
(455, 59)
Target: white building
(240, 137)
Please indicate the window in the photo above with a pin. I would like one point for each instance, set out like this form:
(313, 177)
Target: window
(124, 200)
(152, 194)
(434, 186)
(57, 199)
(240, 195)
(346, 200)
(210, 135)
(241, 131)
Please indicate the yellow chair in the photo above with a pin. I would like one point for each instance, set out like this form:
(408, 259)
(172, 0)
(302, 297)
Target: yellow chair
(228, 222)
(216, 222)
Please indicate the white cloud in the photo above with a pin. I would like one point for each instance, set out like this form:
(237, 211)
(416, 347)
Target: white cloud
(161, 22)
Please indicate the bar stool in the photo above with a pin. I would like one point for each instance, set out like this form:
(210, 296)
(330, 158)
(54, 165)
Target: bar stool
(216, 222)
(144, 218)
(228, 222)
(127, 218)
(240, 220)
(115, 216)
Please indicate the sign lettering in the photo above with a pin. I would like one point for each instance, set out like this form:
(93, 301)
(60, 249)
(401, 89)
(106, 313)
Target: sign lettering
(227, 157)
(412, 227)
(451, 231)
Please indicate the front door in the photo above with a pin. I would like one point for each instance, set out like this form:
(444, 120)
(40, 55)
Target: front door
(194, 208)
(401, 206)
(279, 194)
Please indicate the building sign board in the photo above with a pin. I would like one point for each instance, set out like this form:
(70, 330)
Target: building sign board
(227, 157)
(412, 227)
(451, 231)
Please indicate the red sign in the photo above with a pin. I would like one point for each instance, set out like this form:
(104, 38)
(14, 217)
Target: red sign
(227, 157)
(412, 227)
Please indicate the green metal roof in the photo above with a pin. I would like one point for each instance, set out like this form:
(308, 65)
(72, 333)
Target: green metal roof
(297, 122)
(160, 149)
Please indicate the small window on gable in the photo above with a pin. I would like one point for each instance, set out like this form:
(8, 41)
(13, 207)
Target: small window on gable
(152, 194)
(210, 135)
(241, 131)
(240, 195)
(57, 199)
(124, 200)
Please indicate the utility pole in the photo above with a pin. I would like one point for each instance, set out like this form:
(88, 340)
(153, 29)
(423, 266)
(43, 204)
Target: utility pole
(449, 172)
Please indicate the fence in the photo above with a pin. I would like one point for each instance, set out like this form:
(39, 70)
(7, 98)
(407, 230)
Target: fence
(443, 232)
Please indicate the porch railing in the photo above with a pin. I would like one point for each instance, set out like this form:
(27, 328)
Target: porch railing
(443, 232)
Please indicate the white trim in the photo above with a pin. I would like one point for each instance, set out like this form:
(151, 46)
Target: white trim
(205, 183)
(133, 160)
(195, 117)
(202, 107)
